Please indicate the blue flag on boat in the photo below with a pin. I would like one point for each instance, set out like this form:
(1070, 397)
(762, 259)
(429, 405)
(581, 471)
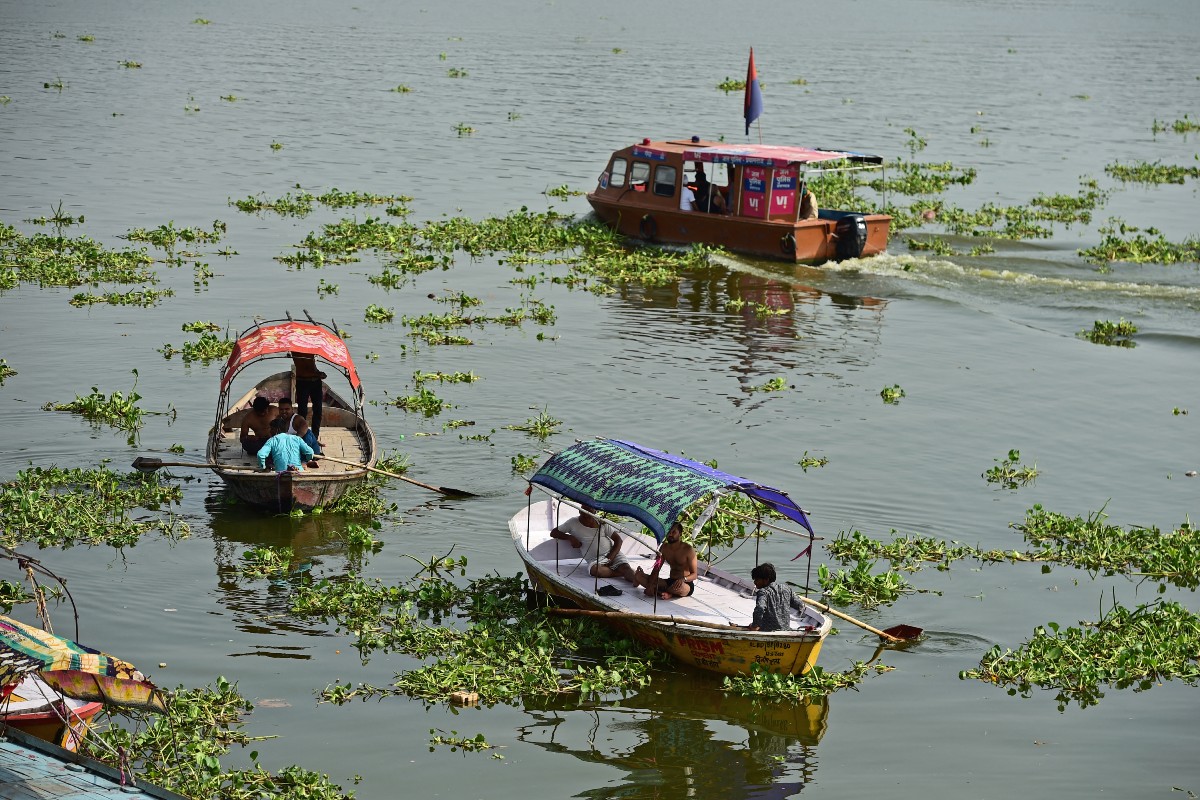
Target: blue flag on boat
(753, 94)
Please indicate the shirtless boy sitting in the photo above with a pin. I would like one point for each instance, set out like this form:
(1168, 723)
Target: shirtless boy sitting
(681, 558)
(256, 425)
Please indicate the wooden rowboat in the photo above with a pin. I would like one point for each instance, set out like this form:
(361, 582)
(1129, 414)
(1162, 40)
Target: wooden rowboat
(344, 432)
(703, 630)
(760, 187)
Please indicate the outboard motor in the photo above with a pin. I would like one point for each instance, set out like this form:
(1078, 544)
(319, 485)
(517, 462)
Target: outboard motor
(851, 233)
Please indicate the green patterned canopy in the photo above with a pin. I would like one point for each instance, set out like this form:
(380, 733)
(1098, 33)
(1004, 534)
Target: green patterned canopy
(648, 485)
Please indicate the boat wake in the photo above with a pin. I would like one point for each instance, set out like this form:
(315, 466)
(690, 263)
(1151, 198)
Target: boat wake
(947, 274)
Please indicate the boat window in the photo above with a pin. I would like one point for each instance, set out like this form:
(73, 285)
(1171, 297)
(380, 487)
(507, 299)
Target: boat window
(619, 167)
(639, 176)
(664, 181)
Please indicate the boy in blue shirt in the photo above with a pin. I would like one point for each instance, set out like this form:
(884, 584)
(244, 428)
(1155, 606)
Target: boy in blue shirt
(288, 452)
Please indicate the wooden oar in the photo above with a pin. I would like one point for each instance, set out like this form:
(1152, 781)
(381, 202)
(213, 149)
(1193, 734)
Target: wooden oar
(581, 612)
(443, 489)
(898, 633)
(143, 464)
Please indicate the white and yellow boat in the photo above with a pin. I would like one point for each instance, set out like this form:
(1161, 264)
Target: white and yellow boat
(705, 629)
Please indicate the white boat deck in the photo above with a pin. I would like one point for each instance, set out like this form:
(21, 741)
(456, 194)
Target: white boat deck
(717, 599)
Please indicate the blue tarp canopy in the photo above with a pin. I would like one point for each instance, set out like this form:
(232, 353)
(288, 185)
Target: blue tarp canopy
(648, 485)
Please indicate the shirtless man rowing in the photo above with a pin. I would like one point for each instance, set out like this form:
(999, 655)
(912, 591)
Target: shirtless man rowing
(681, 558)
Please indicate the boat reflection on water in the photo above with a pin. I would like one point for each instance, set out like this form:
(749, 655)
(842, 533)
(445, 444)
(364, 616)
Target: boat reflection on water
(682, 737)
(260, 605)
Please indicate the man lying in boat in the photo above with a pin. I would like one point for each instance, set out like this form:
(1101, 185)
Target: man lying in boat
(594, 536)
(681, 558)
(287, 451)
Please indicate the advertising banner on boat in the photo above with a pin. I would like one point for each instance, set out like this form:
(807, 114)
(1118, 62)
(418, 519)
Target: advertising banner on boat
(783, 192)
(754, 192)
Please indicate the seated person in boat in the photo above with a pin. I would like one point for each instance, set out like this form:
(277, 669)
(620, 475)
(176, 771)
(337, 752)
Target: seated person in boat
(599, 543)
(299, 427)
(808, 202)
(708, 196)
(287, 451)
(681, 558)
(256, 425)
(286, 409)
(687, 198)
(772, 602)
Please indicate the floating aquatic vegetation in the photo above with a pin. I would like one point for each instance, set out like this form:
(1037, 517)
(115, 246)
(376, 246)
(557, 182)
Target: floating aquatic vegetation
(230, 98)
(5, 371)
(86, 37)
(1010, 472)
(200, 326)
(523, 464)
(276, 145)
(456, 72)
(58, 218)
(115, 410)
(1148, 246)
(542, 426)
(424, 401)
(563, 192)
(817, 682)
(731, 85)
(891, 394)
(934, 244)
(463, 129)
(181, 750)
(1139, 648)
(201, 21)
(859, 585)
(556, 656)
(131, 64)
(374, 313)
(1107, 332)
(324, 288)
(401, 89)
(63, 261)
(55, 507)
(776, 384)
(167, 236)
(807, 461)
(1091, 543)
(444, 377)
(1156, 173)
(208, 348)
(267, 562)
(135, 297)
(1185, 125)
(904, 552)
(58, 84)
(455, 742)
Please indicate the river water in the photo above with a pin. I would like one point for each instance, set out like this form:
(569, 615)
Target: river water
(1034, 94)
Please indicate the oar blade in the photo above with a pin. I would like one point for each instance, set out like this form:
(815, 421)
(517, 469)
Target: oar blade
(143, 464)
(906, 632)
(446, 490)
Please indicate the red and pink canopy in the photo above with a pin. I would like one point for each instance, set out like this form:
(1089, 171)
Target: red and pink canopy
(289, 337)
